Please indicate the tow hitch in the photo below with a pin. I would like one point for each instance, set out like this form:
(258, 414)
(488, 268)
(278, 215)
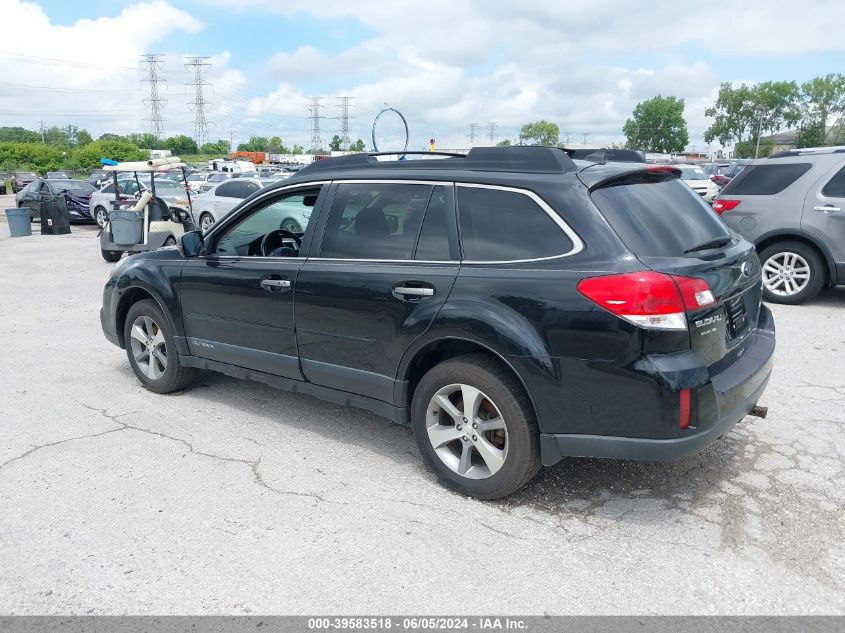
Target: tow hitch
(759, 412)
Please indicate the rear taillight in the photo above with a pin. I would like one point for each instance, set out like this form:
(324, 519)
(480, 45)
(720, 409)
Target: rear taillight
(720, 206)
(648, 299)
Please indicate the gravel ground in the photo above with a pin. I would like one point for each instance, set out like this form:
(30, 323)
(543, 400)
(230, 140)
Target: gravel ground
(235, 498)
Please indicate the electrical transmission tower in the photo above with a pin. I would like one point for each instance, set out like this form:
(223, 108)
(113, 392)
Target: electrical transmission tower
(344, 121)
(316, 140)
(197, 65)
(154, 101)
(491, 128)
(472, 128)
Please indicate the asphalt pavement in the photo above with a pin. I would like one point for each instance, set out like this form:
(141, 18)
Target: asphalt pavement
(235, 498)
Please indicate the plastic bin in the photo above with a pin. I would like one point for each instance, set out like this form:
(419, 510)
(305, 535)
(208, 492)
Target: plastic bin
(19, 222)
(127, 227)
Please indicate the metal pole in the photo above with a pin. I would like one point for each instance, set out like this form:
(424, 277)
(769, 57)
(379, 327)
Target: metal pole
(759, 126)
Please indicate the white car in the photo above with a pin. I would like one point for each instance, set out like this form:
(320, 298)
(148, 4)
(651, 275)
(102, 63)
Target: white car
(212, 206)
(204, 180)
(100, 203)
(699, 182)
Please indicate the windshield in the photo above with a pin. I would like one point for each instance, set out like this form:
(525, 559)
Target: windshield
(26, 174)
(71, 185)
(218, 177)
(196, 177)
(693, 174)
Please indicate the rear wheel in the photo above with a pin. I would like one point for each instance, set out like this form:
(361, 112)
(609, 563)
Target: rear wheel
(475, 427)
(152, 350)
(101, 216)
(793, 272)
(111, 256)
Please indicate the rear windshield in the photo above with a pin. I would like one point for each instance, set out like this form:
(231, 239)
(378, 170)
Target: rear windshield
(658, 218)
(766, 180)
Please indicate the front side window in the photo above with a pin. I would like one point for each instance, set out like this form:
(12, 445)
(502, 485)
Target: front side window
(375, 221)
(270, 229)
(500, 225)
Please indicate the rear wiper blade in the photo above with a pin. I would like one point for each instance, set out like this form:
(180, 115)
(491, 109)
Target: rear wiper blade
(719, 241)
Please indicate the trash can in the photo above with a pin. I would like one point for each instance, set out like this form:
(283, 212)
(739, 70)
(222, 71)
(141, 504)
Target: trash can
(54, 216)
(127, 227)
(19, 222)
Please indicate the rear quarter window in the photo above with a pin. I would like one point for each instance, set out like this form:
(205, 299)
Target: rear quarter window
(766, 180)
(835, 188)
(658, 218)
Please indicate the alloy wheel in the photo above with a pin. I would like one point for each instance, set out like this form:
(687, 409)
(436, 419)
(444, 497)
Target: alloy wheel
(786, 274)
(101, 216)
(205, 223)
(149, 348)
(466, 431)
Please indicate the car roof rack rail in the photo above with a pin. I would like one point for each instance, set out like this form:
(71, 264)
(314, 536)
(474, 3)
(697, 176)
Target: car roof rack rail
(809, 151)
(515, 158)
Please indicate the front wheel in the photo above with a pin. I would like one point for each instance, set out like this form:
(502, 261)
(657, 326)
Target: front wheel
(289, 224)
(475, 427)
(152, 350)
(111, 256)
(793, 272)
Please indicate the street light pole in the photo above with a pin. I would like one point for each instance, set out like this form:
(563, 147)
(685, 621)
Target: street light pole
(759, 126)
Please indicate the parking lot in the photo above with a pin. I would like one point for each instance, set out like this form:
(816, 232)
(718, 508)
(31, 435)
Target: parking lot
(232, 497)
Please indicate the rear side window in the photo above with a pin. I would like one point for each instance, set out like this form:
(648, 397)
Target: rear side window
(835, 188)
(435, 236)
(658, 218)
(766, 180)
(499, 225)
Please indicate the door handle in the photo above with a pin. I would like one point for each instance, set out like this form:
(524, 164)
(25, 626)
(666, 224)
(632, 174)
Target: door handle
(828, 208)
(275, 284)
(414, 292)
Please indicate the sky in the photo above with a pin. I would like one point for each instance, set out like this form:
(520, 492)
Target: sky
(445, 64)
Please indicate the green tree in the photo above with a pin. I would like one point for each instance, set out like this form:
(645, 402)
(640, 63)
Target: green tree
(146, 140)
(88, 157)
(504, 142)
(108, 136)
(297, 149)
(55, 135)
(357, 146)
(180, 144)
(222, 146)
(18, 135)
(83, 138)
(255, 144)
(36, 156)
(657, 125)
(276, 146)
(822, 98)
(744, 112)
(540, 133)
(334, 144)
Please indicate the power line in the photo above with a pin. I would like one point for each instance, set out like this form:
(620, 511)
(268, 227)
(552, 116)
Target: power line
(344, 122)
(197, 65)
(314, 109)
(155, 102)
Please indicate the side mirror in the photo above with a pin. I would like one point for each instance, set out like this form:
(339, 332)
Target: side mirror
(191, 244)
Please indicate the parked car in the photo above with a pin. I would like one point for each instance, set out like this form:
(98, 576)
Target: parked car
(98, 178)
(792, 206)
(76, 193)
(699, 182)
(209, 207)
(57, 175)
(512, 306)
(212, 206)
(729, 171)
(21, 179)
(201, 182)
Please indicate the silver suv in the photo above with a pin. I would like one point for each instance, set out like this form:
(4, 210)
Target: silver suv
(792, 206)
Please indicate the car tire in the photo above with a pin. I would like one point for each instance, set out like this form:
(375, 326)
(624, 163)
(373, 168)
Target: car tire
(793, 272)
(111, 256)
(206, 222)
(152, 351)
(444, 443)
(289, 224)
(101, 216)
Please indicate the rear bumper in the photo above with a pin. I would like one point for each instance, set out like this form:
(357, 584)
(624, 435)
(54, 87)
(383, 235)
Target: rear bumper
(725, 400)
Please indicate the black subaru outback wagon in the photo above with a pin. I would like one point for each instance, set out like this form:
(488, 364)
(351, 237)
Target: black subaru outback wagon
(512, 305)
